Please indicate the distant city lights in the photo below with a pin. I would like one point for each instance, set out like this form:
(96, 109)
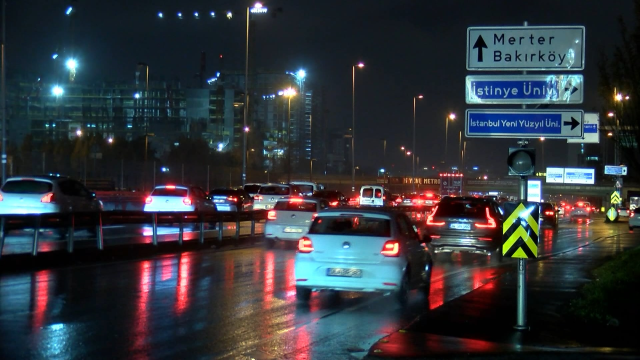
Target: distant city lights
(72, 64)
(69, 10)
(136, 95)
(213, 14)
(196, 15)
(179, 15)
(229, 15)
(160, 15)
(258, 9)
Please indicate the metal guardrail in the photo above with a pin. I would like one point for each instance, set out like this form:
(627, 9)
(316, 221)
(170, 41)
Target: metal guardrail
(95, 221)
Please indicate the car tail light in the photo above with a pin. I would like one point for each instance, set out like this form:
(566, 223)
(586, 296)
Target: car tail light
(257, 198)
(333, 203)
(313, 217)
(305, 245)
(398, 200)
(430, 218)
(491, 222)
(587, 209)
(271, 215)
(630, 213)
(550, 213)
(186, 201)
(417, 201)
(0, 197)
(391, 248)
(148, 200)
(232, 198)
(48, 198)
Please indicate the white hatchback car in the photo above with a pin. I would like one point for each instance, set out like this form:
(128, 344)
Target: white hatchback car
(46, 194)
(291, 218)
(269, 194)
(362, 250)
(178, 198)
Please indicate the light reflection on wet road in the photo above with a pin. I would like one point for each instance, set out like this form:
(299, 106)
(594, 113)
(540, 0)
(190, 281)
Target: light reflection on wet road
(223, 304)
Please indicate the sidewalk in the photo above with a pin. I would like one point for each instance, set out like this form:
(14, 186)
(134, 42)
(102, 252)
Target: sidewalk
(480, 323)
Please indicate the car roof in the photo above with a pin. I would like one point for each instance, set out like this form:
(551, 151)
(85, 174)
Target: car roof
(364, 211)
(38, 177)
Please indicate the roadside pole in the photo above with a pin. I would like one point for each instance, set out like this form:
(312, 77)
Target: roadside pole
(521, 322)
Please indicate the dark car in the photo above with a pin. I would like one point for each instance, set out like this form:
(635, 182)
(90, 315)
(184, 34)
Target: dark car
(231, 199)
(548, 214)
(466, 224)
(335, 197)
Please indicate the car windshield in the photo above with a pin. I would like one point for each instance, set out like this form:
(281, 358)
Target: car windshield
(546, 207)
(274, 190)
(295, 206)
(461, 208)
(356, 225)
(327, 194)
(169, 191)
(27, 187)
(307, 189)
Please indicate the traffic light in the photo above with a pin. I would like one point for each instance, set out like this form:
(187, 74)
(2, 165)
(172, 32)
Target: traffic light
(521, 161)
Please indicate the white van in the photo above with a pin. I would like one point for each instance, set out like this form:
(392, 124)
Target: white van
(373, 195)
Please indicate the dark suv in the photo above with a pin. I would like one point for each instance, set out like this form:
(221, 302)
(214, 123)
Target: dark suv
(466, 224)
(548, 214)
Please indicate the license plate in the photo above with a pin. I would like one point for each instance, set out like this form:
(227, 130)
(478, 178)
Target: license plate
(344, 272)
(292, 230)
(460, 226)
(223, 208)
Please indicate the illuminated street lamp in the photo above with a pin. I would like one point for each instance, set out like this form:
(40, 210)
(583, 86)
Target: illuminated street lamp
(289, 93)
(451, 117)
(57, 91)
(413, 160)
(72, 65)
(353, 125)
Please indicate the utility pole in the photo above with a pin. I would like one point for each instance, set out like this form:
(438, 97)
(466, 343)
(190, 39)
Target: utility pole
(4, 95)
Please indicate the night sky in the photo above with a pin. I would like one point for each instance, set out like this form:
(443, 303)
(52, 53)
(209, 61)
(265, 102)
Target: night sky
(409, 48)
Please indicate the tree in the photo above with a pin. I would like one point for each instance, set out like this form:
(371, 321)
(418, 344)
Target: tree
(619, 78)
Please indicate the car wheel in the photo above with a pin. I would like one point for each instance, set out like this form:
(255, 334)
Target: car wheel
(303, 294)
(269, 243)
(402, 294)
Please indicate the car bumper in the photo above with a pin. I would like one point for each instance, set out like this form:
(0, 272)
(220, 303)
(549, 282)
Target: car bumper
(470, 245)
(284, 232)
(226, 208)
(380, 277)
(262, 206)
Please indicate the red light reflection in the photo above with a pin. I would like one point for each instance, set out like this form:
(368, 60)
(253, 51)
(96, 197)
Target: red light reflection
(182, 292)
(141, 326)
(436, 293)
(229, 269)
(303, 342)
(268, 279)
(290, 277)
(167, 269)
(40, 297)
(257, 263)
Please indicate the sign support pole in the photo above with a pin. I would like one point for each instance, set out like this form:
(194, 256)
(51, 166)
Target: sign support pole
(521, 319)
(521, 323)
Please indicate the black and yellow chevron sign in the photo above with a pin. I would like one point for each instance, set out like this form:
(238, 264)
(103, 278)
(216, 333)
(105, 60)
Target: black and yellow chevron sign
(520, 230)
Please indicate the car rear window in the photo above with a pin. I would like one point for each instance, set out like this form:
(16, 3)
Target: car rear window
(27, 187)
(274, 190)
(351, 225)
(295, 206)
(462, 209)
(252, 189)
(225, 192)
(546, 206)
(169, 192)
(307, 189)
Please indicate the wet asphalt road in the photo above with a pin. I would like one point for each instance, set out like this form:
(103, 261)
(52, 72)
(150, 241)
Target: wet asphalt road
(231, 304)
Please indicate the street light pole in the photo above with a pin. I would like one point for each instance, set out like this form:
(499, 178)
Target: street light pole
(353, 124)
(4, 96)
(246, 104)
(413, 159)
(288, 93)
(451, 116)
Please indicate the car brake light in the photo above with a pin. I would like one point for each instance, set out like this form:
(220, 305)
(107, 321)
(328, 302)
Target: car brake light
(232, 198)
(314, 216)
(333, 203)
(148, 200)
(257, 197)
(296, 200)
(417, 201)
(548, 212)
(170, 186)
(398, 200)
(630, 214)
(271, 215)
(391, 248)
(305, 245)
(48, 198)
(186, 201)
(0, 197)
(491, 223)
(430, 218)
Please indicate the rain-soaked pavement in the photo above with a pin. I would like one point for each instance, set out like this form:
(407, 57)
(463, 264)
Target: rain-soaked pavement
(229, 304)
